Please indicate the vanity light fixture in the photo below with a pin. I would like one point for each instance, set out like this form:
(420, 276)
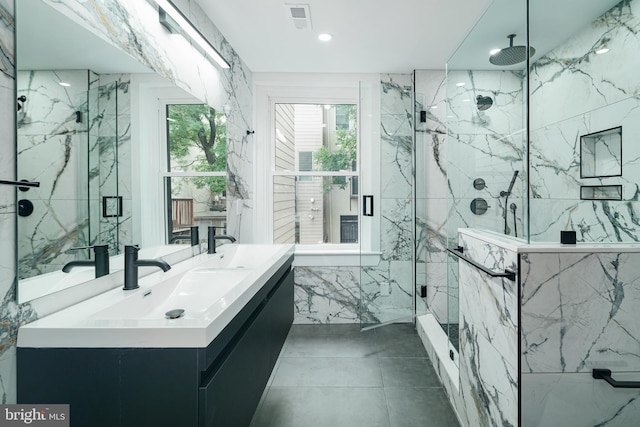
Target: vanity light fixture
(174, 21)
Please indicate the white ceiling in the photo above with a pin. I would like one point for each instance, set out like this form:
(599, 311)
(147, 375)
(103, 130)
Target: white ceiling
(379, 36)
(369, 36)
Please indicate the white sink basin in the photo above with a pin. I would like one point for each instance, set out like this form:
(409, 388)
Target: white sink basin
(211, 289)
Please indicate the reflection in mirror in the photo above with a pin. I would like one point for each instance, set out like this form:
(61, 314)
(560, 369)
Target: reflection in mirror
(74, 136)
(197, 150)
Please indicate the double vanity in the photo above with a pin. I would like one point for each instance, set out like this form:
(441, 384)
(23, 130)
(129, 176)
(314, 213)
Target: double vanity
(193, 346)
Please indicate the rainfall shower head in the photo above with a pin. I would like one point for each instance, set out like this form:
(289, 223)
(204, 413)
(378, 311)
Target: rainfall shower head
(511, 55)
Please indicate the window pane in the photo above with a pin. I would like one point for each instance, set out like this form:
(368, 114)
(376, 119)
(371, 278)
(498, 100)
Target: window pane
(321, 210)
(197, 138)
(197, 201)
(328, 132)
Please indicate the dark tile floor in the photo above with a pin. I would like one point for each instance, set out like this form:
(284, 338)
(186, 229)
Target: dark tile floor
(337, 376)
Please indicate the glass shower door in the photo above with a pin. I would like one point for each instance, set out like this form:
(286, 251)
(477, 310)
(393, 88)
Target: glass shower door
(387, 282)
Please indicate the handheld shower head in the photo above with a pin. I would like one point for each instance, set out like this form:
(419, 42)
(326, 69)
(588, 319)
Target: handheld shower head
(513, 181)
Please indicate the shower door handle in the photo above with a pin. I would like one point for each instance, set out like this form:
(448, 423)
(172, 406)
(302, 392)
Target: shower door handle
(511, 275)
(367, 205)
(605, 374)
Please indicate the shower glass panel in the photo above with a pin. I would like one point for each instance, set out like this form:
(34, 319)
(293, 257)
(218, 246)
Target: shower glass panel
(486, 87)
(388, 289)
(104, 204)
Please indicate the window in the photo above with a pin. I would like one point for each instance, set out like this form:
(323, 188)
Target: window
(305, 164)
(315, 166)
(195, 178)
(342, 116)
(348, 229)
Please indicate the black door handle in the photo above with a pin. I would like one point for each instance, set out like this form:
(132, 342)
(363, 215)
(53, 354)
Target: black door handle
(605, 374)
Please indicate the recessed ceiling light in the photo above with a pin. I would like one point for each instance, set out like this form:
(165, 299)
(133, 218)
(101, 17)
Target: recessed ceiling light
(325, 37)
(460, 84)
(466, 100)
(601, 51)
(64, 84)
(433, 107)
(494, 51)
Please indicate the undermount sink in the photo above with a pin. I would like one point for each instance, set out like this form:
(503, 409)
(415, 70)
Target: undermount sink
(211, 289)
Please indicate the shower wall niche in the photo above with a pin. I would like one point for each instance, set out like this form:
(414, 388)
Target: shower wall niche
(601, 154)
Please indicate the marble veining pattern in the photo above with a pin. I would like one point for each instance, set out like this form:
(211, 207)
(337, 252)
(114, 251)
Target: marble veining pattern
(62, 205)
(488, 336)
(579, 312)
(486, 144)
(327, 294)
(576, 92)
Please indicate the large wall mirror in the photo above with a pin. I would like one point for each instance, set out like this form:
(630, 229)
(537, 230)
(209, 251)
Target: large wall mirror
(74, 136)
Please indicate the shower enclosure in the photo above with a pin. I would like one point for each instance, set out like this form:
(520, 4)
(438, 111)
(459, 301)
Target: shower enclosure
(540, 151)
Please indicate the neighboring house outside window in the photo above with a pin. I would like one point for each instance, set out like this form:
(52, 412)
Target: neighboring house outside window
(315, 168)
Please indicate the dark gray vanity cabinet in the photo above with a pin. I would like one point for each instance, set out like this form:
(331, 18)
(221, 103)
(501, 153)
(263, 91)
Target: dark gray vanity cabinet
(219, 385)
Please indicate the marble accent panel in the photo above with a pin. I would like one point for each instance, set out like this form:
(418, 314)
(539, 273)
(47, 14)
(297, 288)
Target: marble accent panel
(488, 336)
(576, 400)
(327, 294)
(575, 92)
(579, 312)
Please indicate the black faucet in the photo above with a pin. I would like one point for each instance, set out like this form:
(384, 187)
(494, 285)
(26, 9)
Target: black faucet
(211, 239)
(193, 236)
(131, 264)
(100, 261)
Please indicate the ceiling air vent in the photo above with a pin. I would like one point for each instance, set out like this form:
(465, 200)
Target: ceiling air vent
(299, 16)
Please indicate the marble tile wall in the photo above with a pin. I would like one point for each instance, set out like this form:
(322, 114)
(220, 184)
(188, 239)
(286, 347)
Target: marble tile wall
(576, 92)
(579, 312)
(128, 25)
(488, 357)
